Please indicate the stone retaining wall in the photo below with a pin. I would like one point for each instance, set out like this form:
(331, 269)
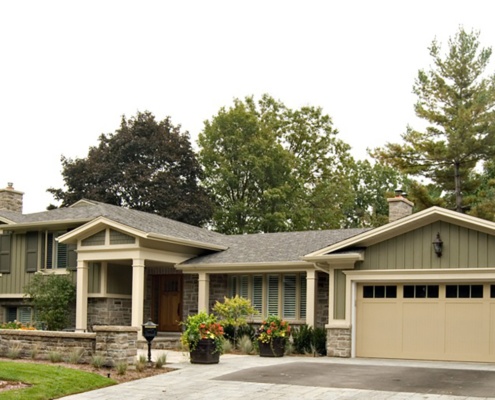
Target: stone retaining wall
(114, 343)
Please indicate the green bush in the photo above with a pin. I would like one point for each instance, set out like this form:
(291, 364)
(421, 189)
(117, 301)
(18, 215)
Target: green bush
(308, 340)
(320, 341)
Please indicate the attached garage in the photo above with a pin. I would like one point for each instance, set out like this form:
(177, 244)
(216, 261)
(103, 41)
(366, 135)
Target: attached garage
(426, 321)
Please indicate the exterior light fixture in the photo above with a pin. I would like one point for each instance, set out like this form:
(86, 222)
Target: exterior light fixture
(438, 245)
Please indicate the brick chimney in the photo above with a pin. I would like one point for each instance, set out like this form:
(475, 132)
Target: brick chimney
(11, 199)
(398, 206)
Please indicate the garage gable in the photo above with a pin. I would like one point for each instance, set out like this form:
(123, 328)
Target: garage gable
(462, 247)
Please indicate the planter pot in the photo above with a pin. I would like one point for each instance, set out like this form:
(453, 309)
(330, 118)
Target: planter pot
(275, 348)
(204, 353)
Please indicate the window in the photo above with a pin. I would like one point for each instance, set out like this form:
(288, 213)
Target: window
(44, 251)
(420, 291)
(57, 255)
(379, 292)
(464, 291)
(273, 294)
(22, 314)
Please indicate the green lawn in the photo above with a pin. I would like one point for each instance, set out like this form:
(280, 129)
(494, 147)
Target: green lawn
(49, 381)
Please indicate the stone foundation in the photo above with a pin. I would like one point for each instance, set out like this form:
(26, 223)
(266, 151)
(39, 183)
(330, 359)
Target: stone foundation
(339, 342)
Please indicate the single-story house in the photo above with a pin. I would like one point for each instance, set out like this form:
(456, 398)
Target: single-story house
(420, 287)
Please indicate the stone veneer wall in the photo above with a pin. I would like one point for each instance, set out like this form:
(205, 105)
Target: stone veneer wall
(104, 311)
(321, 318)
(218, 290)
(339, 342)
(114, 343)
(190, 306)
(10, 199)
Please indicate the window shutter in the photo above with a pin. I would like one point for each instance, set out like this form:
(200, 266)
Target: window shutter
(5, 253)
(302, 310)
(258, 293)
(289, 305)
(31, 251)
(272, 295)
(243, 286)
(71, 257)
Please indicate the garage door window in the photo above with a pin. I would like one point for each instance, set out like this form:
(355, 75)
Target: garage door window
(421, 291)
(464, 291)
(379, 292)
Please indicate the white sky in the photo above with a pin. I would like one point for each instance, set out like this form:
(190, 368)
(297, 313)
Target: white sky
(70, 69)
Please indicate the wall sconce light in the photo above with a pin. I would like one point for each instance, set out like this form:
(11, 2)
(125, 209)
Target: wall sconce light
(438, 245)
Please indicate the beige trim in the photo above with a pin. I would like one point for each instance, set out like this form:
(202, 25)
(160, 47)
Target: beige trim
(11, 296)
(407, 224)
(310, 297)
(45, 225)
(233, 268)
(138, 278)
(6, 220)
(82, 296)
(193, 243)
(109, 296)
(203, 292)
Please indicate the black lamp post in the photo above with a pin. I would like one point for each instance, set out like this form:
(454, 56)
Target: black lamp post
(150, 330)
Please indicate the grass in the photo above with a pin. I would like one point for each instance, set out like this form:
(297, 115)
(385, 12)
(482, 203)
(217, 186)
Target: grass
(48, 381)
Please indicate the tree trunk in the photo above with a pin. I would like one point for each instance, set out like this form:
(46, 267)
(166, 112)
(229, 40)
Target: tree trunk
(458, 192)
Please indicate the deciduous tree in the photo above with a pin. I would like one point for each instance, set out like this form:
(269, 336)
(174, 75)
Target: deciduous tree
(147, 165)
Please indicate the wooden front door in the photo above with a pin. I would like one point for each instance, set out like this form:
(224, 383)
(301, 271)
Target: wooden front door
(169, 303)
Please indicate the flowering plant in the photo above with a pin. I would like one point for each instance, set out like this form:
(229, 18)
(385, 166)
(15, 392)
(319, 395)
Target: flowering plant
(202, 326)
(17, 325)
(273, 327)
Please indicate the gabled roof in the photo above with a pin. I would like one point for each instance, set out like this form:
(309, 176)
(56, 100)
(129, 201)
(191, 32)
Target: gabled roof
(87, 210)
(403, 225)
(273, 247)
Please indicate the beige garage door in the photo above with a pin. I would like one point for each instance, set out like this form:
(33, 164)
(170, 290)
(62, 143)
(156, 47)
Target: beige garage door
(431, 321)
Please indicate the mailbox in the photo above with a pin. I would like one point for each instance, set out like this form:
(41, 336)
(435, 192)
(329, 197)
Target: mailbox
(150, 330)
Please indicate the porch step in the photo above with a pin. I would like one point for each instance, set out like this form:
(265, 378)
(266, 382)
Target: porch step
(163, 341)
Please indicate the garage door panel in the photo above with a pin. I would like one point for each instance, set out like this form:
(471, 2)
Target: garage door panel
(423, 329)
(466, 330)
(382, 329)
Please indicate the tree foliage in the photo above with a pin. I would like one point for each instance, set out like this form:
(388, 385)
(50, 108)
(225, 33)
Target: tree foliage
(458, 103)
(146, 165)
(271, 168)
(51, 296)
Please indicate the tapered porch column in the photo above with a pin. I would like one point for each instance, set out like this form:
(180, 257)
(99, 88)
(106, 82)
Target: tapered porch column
(137, 293)
(82, 297)
(203, 292)
(310, 297)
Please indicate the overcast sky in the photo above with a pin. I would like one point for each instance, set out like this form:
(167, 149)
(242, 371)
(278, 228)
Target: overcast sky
(70, 69)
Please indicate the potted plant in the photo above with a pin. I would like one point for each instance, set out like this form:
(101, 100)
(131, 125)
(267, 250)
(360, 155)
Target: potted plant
(272, 335)
(203, 337)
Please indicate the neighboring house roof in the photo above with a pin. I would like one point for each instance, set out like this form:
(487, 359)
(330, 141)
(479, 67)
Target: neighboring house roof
(86, 210)
(273, 247)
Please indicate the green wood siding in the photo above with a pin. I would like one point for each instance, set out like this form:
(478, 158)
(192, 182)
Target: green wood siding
(14, 282)
(339, 294)
(94, 278)
(462, 248)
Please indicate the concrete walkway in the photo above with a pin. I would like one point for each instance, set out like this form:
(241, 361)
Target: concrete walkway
(192, 381)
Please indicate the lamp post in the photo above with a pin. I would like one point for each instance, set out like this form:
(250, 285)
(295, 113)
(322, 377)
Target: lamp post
(150, 330)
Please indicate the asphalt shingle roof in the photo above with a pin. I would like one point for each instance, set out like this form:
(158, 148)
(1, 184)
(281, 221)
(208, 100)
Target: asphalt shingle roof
(252, 248)
(274, 247)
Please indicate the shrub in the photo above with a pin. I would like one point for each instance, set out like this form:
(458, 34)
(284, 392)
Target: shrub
(273, 327)
(320, 341)
(302, 339)
(51, 296)
(161, 360)
(97, 361)
(245, 345)
(202, 326)
(140, 365)
(54, 356)
(33, 353)
(75, 355)
(227, 346)
(14, 351)
(121, 368)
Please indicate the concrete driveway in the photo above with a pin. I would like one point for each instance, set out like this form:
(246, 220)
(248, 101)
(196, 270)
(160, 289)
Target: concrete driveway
(254, 377)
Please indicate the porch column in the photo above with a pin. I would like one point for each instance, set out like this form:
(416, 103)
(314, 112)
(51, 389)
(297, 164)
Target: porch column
(137, 293)
(203, 292)
(82, 297)
(310, 297)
